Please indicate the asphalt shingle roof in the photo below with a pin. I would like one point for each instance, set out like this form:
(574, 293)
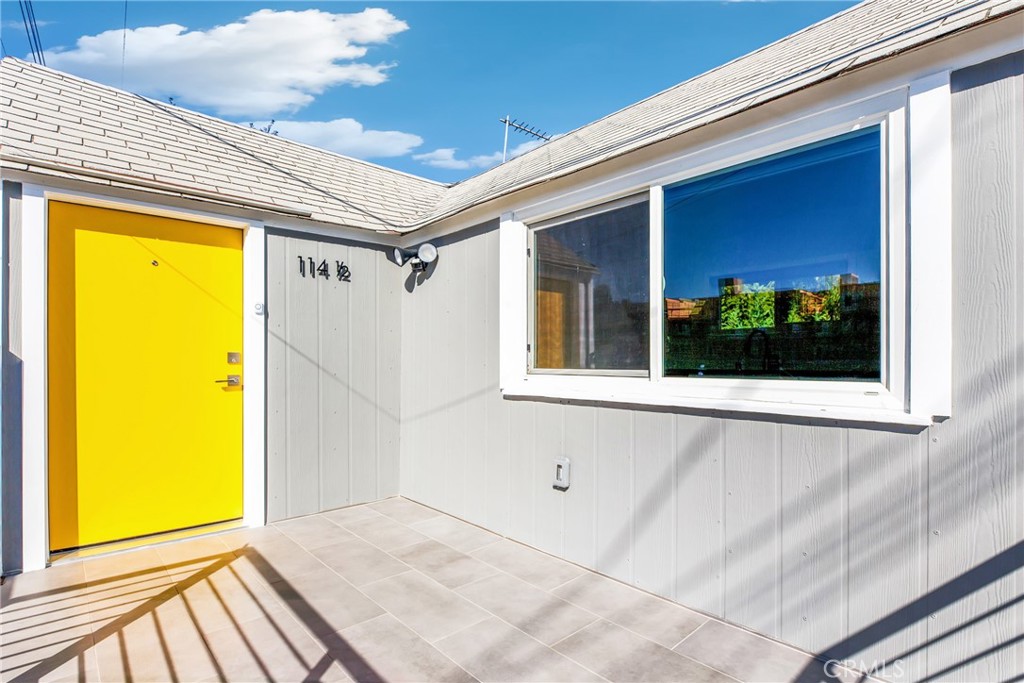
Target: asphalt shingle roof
(57, 124)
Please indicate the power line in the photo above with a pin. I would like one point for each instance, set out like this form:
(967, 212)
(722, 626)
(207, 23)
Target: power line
(124, 40)
(35, 31)
(35, 44)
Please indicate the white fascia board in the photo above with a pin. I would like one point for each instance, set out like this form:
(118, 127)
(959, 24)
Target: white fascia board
(930, 134)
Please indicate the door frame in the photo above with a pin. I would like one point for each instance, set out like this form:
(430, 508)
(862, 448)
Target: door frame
(34, 253)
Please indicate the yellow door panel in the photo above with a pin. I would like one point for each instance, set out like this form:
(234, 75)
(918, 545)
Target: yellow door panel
(143, 311)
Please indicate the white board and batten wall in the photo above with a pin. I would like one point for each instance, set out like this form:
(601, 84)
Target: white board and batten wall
(333, 360)
(862, 543)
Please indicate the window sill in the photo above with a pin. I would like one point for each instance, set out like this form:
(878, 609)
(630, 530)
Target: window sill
(664, 395)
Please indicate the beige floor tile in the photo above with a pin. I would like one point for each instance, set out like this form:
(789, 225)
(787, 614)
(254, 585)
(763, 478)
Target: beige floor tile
(359, 562)
(620, 655)
(430, 609)
(403, 510)
(659, 620)
(36, 624)
(38, 604)
(73, 660)
(528, 564)
(443, 564)
(313, 532)
(52, 583)
(39, 641)
(162, 644)
(124, 566)
(186, 555)
(456, 533)
(495, 651)
(229, 596)
(115, 601)
(324, 602)
(277, 558)
(239, 538)
(273, 648)
(384, 649)
(385, 533)
(356, 513)
(537, 612)
(746, 656)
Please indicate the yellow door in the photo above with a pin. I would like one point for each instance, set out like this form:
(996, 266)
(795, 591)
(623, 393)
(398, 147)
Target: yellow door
(143, 312)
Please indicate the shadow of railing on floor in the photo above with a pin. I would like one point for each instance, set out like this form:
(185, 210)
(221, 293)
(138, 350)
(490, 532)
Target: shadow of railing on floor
(68, 598)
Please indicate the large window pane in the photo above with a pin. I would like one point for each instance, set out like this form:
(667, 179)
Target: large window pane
(592, 296)
(773, 268)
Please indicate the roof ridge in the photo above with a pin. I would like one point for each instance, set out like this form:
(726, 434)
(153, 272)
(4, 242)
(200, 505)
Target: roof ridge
(288, 141)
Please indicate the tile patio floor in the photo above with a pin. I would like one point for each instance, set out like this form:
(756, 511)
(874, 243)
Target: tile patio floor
(387, 591)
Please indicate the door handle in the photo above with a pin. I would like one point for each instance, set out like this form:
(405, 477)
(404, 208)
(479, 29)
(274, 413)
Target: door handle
(231, 381)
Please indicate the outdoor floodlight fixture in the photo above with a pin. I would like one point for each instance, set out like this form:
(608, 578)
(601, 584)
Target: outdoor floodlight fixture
(422, 257)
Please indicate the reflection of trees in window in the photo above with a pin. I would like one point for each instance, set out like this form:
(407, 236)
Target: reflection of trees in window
(746, 305)
(816, 304)
(830, 328)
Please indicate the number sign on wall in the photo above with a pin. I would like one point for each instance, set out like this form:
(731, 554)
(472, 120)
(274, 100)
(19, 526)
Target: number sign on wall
(307, 264)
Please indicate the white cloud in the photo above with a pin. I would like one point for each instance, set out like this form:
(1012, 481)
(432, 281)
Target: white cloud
(445, 157)
(347, 136)
(20, 24)
(266, 63)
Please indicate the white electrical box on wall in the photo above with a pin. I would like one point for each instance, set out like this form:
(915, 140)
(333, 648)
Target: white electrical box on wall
(561, 482)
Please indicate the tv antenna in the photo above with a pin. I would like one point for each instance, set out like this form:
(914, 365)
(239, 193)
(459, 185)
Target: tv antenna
(522, 127)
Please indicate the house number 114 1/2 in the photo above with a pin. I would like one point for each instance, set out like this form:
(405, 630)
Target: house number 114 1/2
(341, 271)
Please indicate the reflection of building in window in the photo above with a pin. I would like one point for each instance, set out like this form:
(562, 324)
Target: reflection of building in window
(565, 305)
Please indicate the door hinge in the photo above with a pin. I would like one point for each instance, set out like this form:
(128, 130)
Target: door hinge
(527, 348)
(528, 252)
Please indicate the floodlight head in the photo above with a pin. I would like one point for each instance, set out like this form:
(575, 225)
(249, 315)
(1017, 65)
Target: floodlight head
(420, 258)
(427, 252)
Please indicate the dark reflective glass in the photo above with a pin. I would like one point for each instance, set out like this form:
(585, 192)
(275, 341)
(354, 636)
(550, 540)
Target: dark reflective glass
(772, 268)
(592, 303)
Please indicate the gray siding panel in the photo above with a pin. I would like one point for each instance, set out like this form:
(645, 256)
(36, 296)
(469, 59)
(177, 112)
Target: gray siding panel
(700, 513)
(977, 461)
(333, 366)
(863, 544)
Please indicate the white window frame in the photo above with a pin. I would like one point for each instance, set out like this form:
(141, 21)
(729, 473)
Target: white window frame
(916, 383)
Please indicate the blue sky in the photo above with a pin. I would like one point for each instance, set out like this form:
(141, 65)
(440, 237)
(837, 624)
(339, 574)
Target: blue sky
(417, 86)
